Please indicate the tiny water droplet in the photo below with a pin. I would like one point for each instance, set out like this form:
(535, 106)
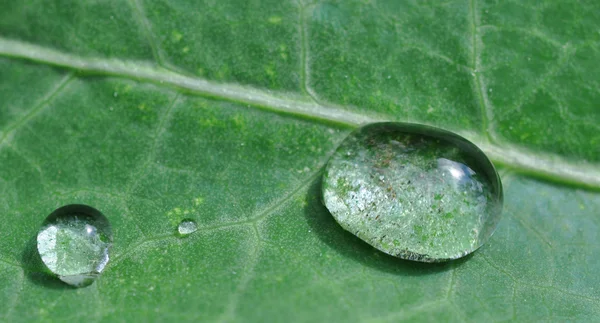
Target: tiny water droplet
(74, 243)
(441, 198)
(186, 227)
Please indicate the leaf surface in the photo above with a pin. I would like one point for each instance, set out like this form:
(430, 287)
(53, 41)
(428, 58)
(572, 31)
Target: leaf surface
(226, 112)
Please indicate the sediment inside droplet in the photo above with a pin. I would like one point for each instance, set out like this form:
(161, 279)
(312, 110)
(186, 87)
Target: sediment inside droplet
(415, 192)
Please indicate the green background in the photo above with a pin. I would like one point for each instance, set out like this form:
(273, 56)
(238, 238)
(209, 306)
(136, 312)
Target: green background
(227, 111)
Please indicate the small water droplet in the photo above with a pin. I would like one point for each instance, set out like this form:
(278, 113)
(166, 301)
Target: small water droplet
(186, 227)
(74, 243)
(441, 198)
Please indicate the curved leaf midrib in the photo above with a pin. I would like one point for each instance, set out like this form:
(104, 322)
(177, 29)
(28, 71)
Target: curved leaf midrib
(545, 166)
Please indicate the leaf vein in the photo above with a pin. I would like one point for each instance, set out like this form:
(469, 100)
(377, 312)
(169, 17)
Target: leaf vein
(530, 91)
(250, 221)
(248, 274)
(305, 57)
(144, 24)
(538, 165)
(535, 33)
(137, 177)
(39, 107)
(15, 301)
(479, 87)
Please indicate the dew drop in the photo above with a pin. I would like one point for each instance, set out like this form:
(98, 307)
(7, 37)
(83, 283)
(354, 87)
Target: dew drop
(186, 227)
(441, 198)
(74, 243)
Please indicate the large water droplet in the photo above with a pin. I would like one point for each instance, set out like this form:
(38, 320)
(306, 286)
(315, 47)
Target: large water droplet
(186, 227)
(74, 243)
(413, 191)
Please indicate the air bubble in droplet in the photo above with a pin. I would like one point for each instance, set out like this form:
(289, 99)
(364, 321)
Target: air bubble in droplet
(74, 243)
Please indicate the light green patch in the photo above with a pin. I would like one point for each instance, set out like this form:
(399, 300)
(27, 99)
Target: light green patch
(270, 71)
(198, 201)
(178, 214)
(176, 36)
(210, 122)
(283, 52)
(276, 20)
(239, 121)
(223, 72)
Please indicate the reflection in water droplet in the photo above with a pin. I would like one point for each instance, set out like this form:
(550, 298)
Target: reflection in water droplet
(186, 227)
(412, 191)
(74, 243)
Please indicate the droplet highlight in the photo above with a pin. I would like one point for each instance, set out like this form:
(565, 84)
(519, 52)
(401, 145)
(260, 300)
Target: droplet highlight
(187, 227)
(74, 243)
(412, 191)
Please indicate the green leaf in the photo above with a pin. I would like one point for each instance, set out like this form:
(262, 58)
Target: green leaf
(226, 112)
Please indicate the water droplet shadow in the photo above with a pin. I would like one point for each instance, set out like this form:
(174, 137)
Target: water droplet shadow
(36, 271)
(330, 232)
